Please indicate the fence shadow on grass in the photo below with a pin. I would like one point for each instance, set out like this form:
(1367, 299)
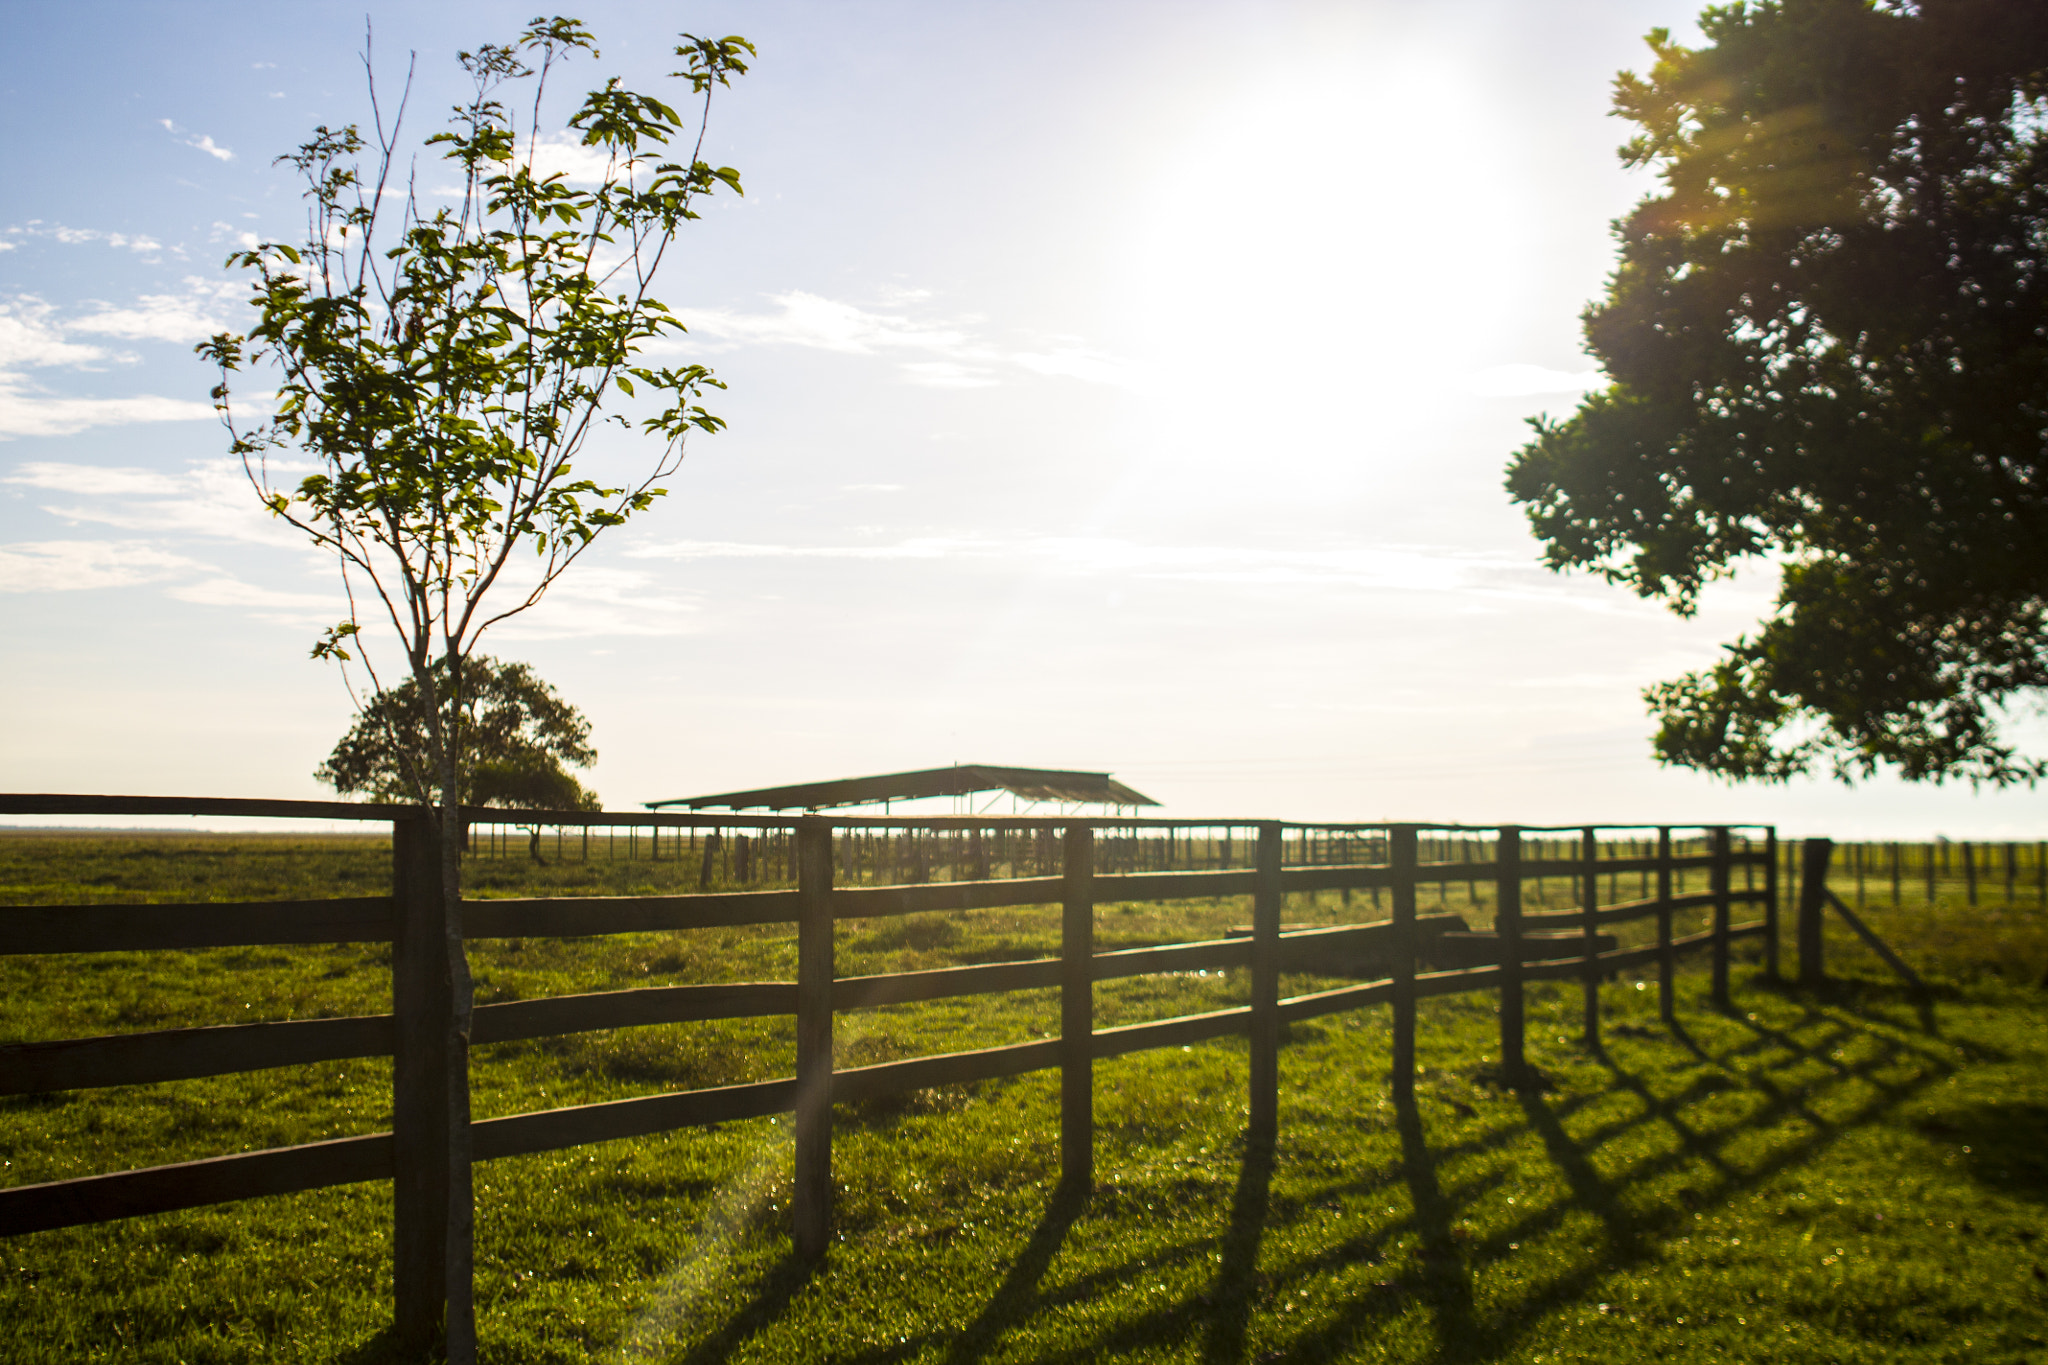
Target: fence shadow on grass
(1218, 1321)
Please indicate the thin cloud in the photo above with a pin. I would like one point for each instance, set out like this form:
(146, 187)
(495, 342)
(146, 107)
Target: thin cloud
(1410, 569)
(79, 565)
(95, 480)
(949, 374)
(802, 318)
(210, 499)
(27, 411)
(31, 337)
(1077, 362)
(954, 355)
(192, 316)
(71, 236)
(202, 142)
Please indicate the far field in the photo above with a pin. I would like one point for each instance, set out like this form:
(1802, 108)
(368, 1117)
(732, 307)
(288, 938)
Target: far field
(1811, 1177)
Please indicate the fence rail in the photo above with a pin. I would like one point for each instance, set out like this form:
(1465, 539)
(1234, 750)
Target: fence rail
(1407, 956)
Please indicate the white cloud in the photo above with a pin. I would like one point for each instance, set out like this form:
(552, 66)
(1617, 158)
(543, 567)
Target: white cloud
(1489, 578)
(30, 336)
(1518, 381)
(211, 498)
(564, 154)
(192, 316)
(71, 236)
(806, 319)
(930, 548)
(949, 374)
(27, 412)
(223, 591)
(958, 358)
(94, 480)
(1075, 362)
(71, 565)
(202, 142)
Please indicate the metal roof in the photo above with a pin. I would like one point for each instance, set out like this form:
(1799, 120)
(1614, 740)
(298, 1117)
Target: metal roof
(965, 779)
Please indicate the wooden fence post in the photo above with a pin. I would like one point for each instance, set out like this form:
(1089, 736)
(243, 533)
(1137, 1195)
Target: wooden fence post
(1401, 863)
(1590, 931)
(1771, 898)
(1263, 1124)
(1970, 872)
(1813, 890)
(1507, 923)
(423, 1001)
(1077, 1011)
(1667, 957)
(1718, 883)
(813, 1195)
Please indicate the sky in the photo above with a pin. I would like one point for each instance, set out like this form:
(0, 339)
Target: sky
(1120, 386)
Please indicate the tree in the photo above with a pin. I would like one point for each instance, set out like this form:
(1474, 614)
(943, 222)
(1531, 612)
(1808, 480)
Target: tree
(442, 361)
(519, 737)
(1828, 336)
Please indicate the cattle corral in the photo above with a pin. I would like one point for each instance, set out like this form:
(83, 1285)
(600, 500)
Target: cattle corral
(1430, 906)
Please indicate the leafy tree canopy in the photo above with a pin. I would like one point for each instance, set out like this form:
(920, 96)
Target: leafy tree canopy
(520, 738)
(1828, 336)
(443, 357)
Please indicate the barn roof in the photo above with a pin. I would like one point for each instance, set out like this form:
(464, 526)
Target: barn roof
(964, 779)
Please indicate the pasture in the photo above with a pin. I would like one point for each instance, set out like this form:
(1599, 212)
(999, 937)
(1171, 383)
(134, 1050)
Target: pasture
(1808, 1176)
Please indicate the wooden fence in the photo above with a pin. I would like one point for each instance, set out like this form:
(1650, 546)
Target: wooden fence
(1075, 864)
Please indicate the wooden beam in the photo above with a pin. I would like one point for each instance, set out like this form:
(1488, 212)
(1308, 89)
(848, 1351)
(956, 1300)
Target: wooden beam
(548, 1130)
(1172, 886)
(1507, 923)
(183, 1054)
(813, 1192)
(1177, 1032)
(1401, 851)
(873, 902)
(583, 916)
(423, 1073)
(1719, 880)
(198, 924)
(1077, 975)
(552, 1016)
(1589, 931)
(951, 1068)
(66, 803)
(1813, 890)
(193, 1184)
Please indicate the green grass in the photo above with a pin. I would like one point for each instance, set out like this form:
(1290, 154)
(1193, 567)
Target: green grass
(1811, 1177)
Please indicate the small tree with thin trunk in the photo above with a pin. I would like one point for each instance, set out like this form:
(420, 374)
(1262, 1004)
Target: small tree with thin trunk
(442, 361)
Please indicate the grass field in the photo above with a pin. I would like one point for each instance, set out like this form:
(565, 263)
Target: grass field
(1812, 1177)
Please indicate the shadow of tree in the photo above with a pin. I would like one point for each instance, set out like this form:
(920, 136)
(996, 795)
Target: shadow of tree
(1731, 1148)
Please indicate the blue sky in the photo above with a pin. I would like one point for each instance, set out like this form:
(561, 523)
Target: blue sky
(1114, 385)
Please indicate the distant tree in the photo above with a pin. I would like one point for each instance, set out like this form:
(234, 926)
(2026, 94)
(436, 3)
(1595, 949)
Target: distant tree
(1828, 336)
(519, 739)
(441, 358)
